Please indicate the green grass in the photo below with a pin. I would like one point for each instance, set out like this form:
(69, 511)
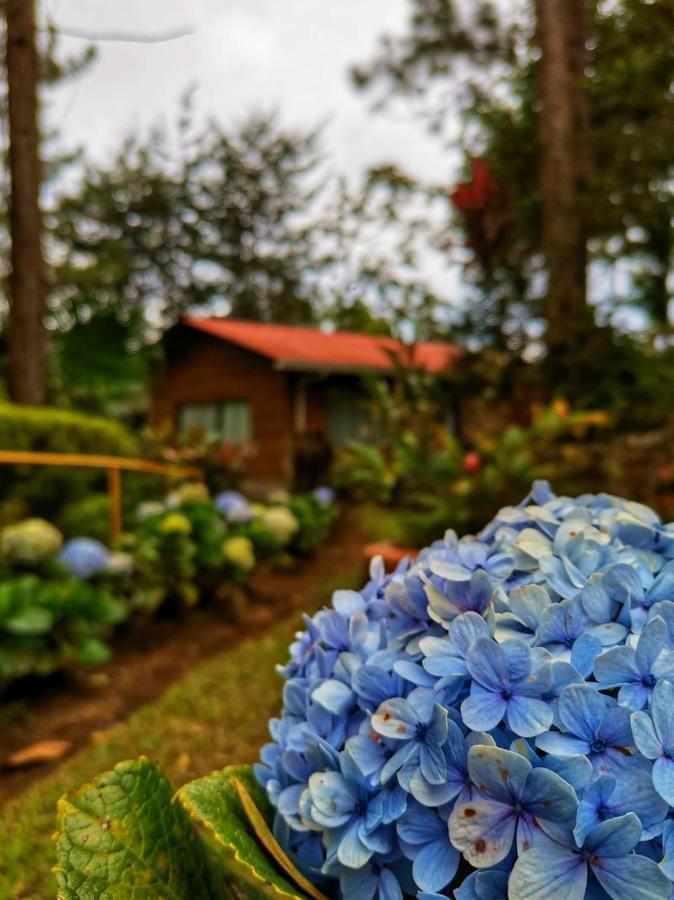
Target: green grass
(215, 716)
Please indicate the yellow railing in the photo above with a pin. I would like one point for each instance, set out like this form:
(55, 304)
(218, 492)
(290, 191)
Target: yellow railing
(114, 465)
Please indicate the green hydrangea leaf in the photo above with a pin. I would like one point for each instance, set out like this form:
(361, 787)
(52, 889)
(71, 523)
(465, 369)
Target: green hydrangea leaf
(215, 803)
(33, 620)
(121, 836)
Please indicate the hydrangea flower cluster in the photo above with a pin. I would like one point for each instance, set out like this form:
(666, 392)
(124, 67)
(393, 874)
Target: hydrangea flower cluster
(30, 542)
(494, 720)
(84, 557)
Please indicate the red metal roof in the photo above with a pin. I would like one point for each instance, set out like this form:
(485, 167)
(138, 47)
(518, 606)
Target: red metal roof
(292, 347)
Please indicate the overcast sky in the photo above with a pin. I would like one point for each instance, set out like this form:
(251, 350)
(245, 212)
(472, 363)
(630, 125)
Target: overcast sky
(292, 55)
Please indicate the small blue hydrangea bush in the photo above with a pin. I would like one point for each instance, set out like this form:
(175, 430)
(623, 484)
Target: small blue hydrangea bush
(493, 720)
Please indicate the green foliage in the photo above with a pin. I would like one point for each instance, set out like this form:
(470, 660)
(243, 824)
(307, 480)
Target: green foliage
(121, 835)
(41, 490)
(89, 516)
(217, 714)
(315, 520)
(441, 483)
(125, 832)
(46, 624)
(222, 219)
(164, 554)
(179, 554)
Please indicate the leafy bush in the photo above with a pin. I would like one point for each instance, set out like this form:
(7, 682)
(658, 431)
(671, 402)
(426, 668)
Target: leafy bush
(46, 624)
(314, 518)
(437, 480)
(90, 516)
(43, 489)
(180, 551)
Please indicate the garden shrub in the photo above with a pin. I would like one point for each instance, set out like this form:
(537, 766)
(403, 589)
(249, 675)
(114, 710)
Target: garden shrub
(46, 624)
(43, 489)
(493, 720)
(90, 516)
(60, 601)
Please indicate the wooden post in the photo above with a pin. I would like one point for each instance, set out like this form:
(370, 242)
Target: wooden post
(115, 495)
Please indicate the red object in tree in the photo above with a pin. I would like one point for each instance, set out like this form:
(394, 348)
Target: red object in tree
(472, 461)
(471, 196)
(484, 208)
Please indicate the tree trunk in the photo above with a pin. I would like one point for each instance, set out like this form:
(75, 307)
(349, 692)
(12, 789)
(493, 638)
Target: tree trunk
(27, 337)
(562, 28)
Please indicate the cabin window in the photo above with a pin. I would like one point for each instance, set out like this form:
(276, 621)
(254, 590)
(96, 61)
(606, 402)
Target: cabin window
(349, 419)
(229, 420)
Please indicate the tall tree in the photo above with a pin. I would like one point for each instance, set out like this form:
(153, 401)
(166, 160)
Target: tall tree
(26, 331)
(223, 220)
(563, 141)
(484, 62)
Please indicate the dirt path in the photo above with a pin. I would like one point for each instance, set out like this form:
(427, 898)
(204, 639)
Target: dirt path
(77, 708)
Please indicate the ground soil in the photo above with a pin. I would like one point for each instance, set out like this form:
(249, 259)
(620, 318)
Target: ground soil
(78, 706)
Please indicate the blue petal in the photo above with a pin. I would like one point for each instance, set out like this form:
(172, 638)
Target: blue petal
(484, 886)
(584, 652)
(582, 710)
(420, 825)
(617, 666)
(435, 865)
(465, 629)
(483, 710)
(662, 710)
(632, 877)
(651, 643)
(432, 762)
(546, 873)
(644, 735)
(500, 774)
(368, 754)
(335, 696)
(527, 716)
(547, 796)
(663, 778)
(396, 719)
(398, 760)
(614, 837)
(562, 744)
(358, 883)
(389, 889)
(483, 831)
(488, 664)
(352, 852)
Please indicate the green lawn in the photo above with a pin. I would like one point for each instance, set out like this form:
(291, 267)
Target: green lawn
(215, 716)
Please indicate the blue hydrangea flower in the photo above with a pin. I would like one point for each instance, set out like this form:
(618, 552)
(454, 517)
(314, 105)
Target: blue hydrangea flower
(508, 683)
(419, 734)
(84, 557)
(636, 671)
(492, 720)
(324, 494)
(605, 856)
(233, 506)
(609, 797)
(423, 839)
(513, 799)
(594, 726)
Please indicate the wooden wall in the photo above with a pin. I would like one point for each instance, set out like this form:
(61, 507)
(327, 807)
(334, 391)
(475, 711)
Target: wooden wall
(202, 369)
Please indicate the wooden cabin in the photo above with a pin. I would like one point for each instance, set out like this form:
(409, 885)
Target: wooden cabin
(272, 388)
